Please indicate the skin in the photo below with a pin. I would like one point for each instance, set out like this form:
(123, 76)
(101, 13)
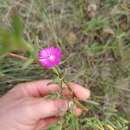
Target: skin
(25, 108)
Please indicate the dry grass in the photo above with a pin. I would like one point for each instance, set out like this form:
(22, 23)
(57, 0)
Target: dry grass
(94, 36)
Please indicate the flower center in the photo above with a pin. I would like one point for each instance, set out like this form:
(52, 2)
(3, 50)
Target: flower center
(52, 58)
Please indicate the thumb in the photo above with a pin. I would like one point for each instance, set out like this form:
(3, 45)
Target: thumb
(48, 108)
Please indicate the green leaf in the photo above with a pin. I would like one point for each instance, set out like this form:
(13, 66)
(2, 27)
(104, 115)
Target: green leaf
(12, 39)
(27, 63)
(55, 127)
(56, 80)
(17, 26)
(17, 38)
(5, 38)
(72, 121)
(96, 23)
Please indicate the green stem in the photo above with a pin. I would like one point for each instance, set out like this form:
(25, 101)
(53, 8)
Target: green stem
(56, 71)
(74, 99)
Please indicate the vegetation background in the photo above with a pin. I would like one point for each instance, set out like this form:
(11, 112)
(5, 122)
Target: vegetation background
(95, 38)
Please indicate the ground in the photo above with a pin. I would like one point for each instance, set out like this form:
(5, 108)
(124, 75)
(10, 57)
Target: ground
(94, 36)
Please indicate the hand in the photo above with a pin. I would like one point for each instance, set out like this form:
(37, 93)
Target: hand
(24, 107)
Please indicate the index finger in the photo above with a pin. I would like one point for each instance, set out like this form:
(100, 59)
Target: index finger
(35, 88)
(79, 91)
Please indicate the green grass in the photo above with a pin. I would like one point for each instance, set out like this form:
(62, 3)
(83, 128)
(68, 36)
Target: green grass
(96, 52)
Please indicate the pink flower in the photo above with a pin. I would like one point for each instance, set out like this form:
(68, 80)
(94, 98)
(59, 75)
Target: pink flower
(50, 57)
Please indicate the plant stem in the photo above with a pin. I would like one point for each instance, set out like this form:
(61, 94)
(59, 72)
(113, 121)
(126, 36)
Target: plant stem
(22, 58)
(74, 99)
(56, 71)
(17, 56)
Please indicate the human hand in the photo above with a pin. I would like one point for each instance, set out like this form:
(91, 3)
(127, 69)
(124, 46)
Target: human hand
(25, 108)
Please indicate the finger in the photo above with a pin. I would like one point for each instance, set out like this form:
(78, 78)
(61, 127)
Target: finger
(35, 88)
(78, 111)
(67, 93)
(79, 91)
(48, 108)
(43, 124)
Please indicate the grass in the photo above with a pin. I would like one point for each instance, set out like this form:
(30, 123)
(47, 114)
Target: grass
(96, 52)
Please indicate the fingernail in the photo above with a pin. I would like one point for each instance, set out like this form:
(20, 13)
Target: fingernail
(71, 104)
(78, 111)
(62, 106)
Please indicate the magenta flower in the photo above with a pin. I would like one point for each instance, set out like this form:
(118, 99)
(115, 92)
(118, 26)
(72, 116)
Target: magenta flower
(50, 57)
